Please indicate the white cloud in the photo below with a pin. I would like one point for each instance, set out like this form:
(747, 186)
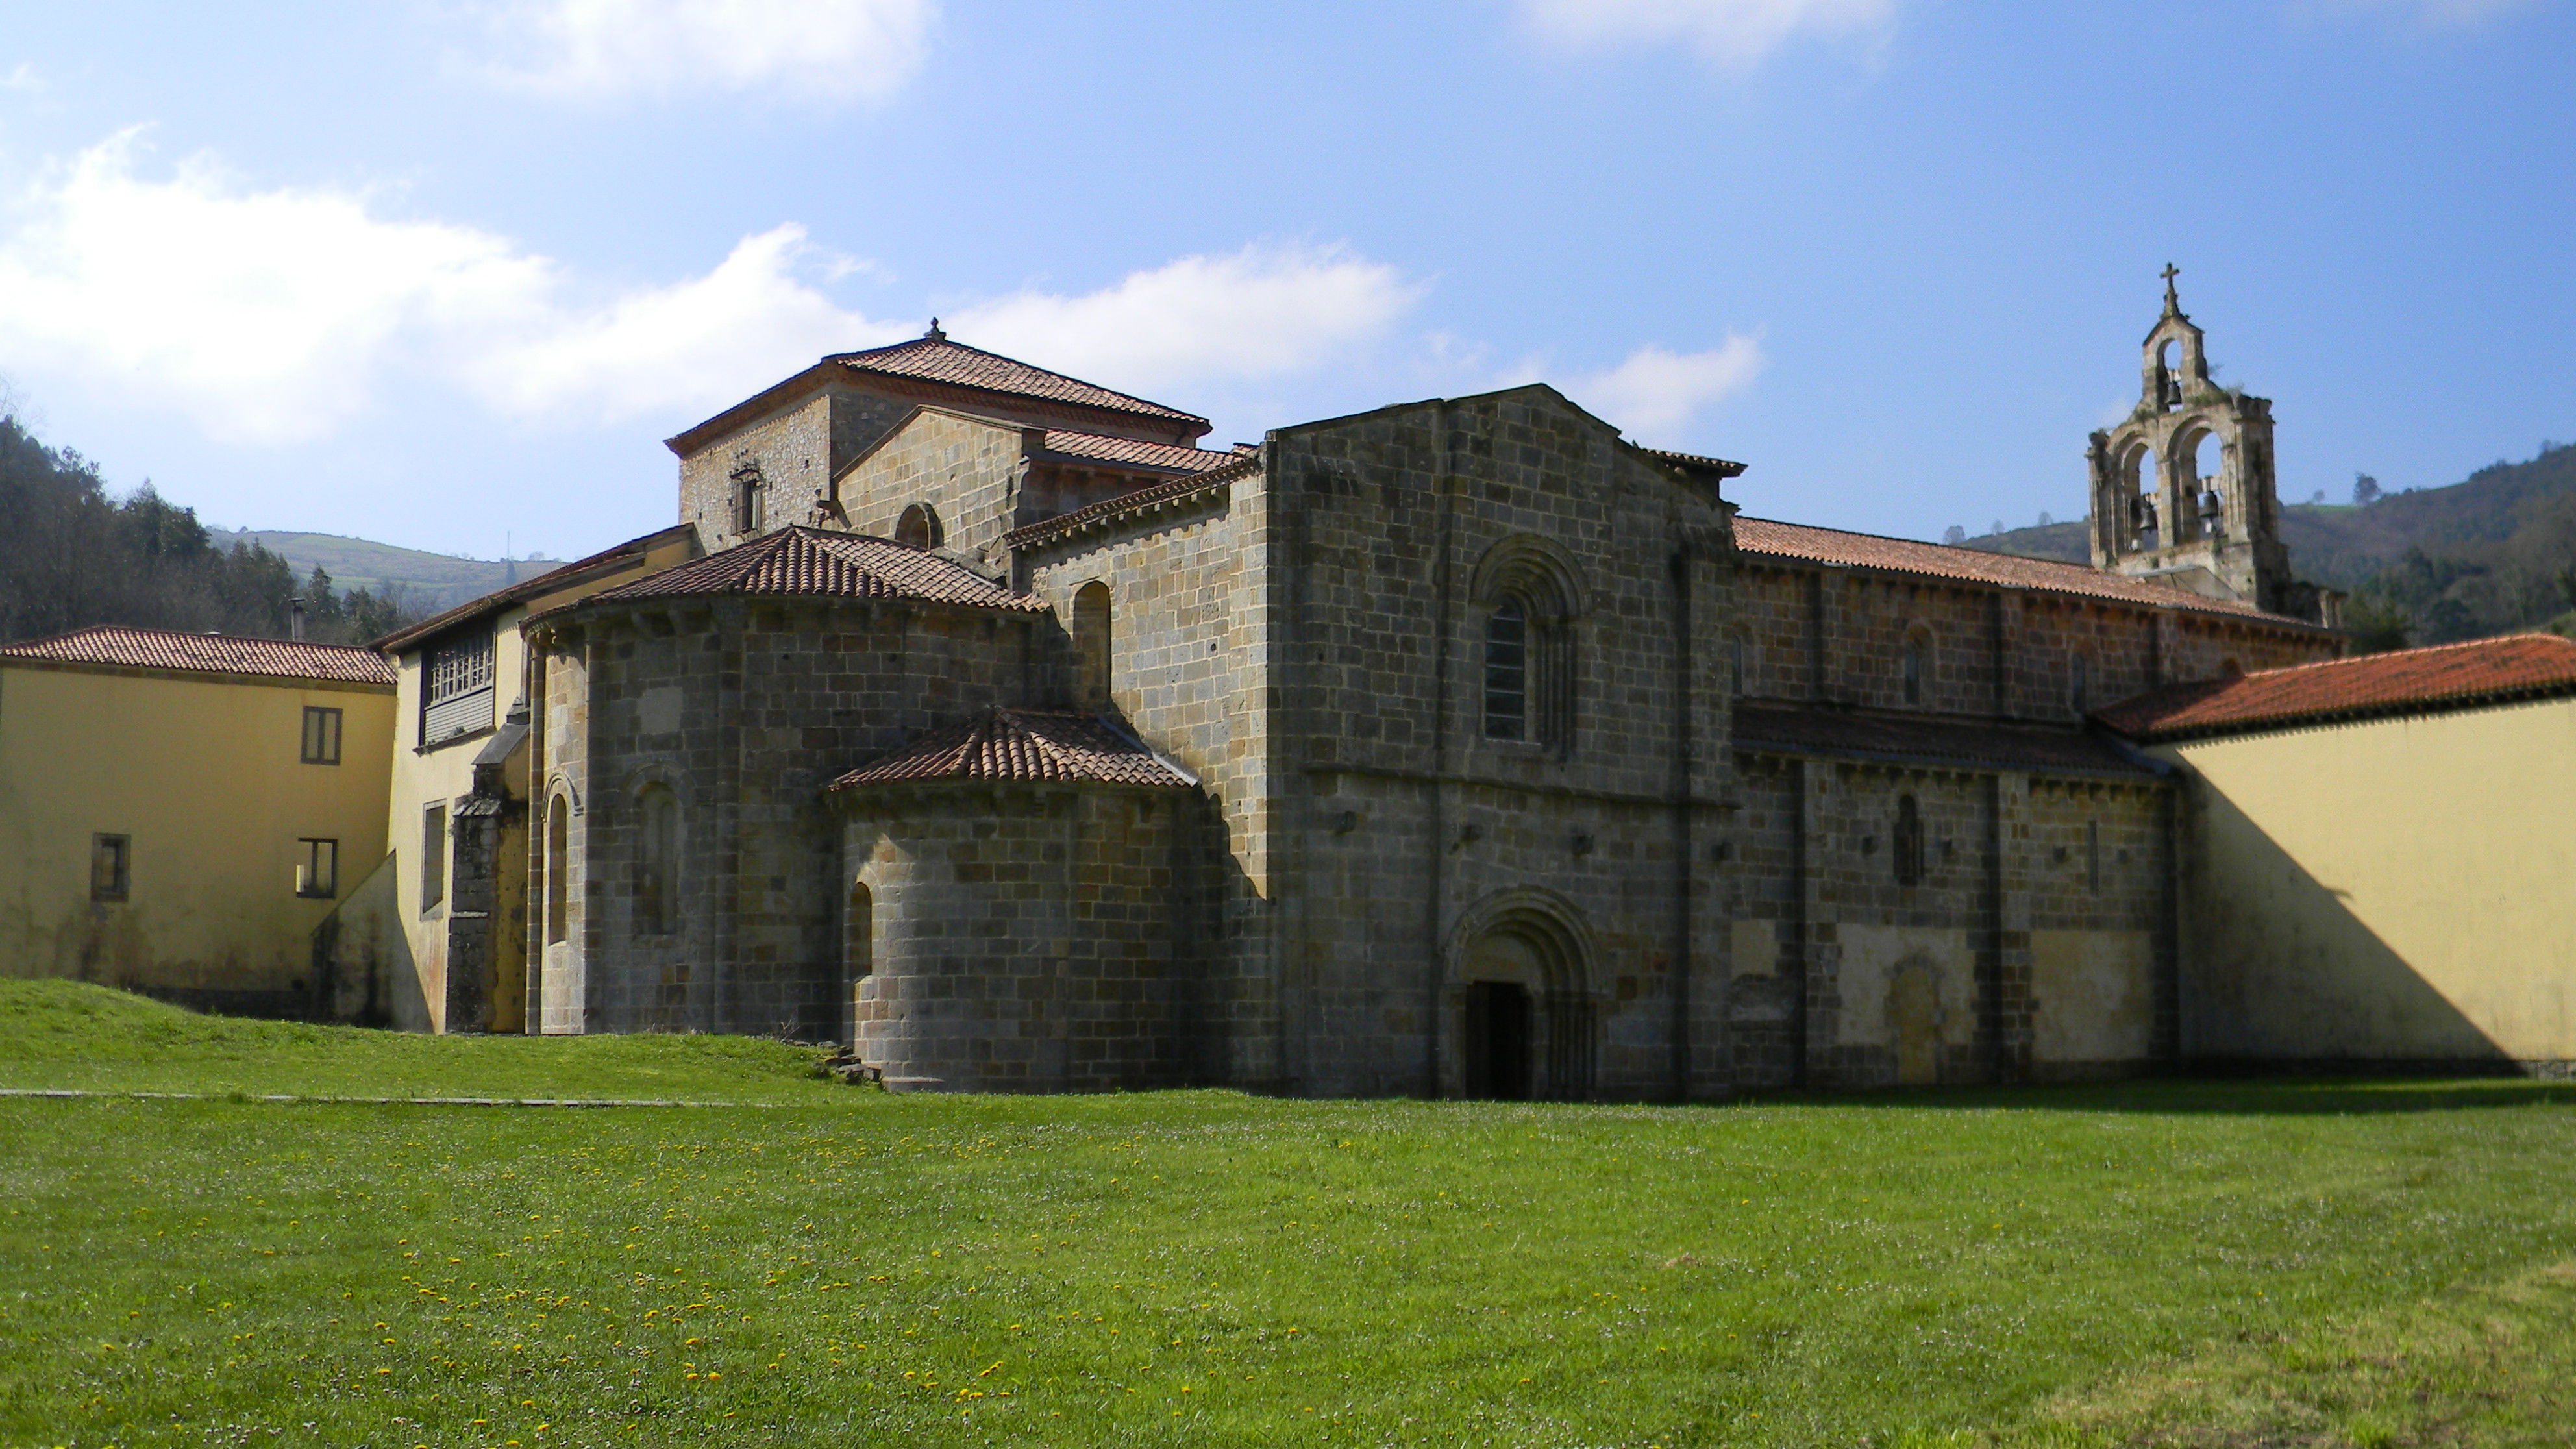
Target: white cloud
(1260, 311)
(280, 315)
(263, 315)
(704, 342)
(22, 78)
(1656, 394)
(809, 50)
(1730, 32)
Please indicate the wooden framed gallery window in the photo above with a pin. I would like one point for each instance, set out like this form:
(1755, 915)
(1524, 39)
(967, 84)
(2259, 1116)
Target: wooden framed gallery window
(321, 735)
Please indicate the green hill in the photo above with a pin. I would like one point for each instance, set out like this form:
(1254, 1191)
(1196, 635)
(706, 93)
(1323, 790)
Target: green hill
(427, 581)
(2489, 555)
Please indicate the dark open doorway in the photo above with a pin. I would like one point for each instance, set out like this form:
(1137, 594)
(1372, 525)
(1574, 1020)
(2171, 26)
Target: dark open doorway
(1498, 1041)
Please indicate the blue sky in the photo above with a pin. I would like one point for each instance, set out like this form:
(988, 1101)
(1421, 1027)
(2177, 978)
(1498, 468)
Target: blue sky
(441, 271)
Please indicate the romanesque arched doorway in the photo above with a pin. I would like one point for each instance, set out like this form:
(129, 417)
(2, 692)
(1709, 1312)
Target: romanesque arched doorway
(1522, 1004)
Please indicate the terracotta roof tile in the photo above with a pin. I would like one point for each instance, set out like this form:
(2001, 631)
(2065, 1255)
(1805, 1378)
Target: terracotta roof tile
(2445, 676)
(811, 562)
(119, 647)
(1169, 490)
(1170, 456)
(1797, 731)
(1932, 560)
(936, 359)
(1027, 746)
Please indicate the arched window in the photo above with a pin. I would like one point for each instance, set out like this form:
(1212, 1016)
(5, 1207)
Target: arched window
(747, 483)
(657, 861)
(1093, 644)
(1529, 598)
(858, 954)
(919, 528)
(558, 870)
(2079, 684)
(1908, 854)
(1918, 646)
(1507, 670)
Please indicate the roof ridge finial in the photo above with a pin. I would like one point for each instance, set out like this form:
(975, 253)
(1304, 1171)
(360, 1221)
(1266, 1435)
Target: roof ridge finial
(2173, 304)
(934, 334)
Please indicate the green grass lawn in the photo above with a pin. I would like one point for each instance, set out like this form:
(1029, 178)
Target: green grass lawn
(2221, 1264)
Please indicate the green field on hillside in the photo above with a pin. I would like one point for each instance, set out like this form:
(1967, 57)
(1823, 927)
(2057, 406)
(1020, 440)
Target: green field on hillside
(2186, 1263)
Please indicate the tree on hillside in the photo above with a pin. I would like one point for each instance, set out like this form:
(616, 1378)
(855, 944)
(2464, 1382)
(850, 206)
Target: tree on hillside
(2365, 490)
(72, 555)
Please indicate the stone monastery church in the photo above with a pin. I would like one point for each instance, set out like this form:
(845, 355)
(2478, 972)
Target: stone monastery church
(982, 718)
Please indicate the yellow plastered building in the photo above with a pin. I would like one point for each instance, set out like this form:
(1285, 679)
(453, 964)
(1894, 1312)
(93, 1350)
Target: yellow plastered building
(179, 812)
(2376, 858)
(451, 923)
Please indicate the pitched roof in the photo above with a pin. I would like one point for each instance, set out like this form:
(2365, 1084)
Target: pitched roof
(1695, 462)
(2409, 681)
(814, 563)
(1941, 561)
(607, 560)
(936, 359)
(1134, 500)
(1170, 456)
(116, 646)
(1022, 746)
(1846, 734)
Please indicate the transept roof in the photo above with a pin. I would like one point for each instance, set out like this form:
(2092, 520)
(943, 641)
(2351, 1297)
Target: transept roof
(936, 359)
(1022, 746)
(814, 563)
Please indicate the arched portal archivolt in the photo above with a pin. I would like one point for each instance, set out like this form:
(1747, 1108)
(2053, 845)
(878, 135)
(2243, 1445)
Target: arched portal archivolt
(1520, 1005)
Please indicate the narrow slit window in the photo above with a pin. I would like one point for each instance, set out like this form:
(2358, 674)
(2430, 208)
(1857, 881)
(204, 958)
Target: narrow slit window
(111, 867)
(657, 910)
(558, 871)
(433, 857)
(1913, 671)
(1909, 842)
(317, 869)
(2079, 684)
(321, 735)
(1507, 671)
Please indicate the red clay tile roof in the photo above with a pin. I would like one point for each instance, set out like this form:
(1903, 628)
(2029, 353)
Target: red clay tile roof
(1932, 560)
(2409, 681)
(119, 647)
(2040, 750)
(1134, 500)
(936, 359)
(1021, 745)
(1694, 461)
(814, 563)
(1168, 456)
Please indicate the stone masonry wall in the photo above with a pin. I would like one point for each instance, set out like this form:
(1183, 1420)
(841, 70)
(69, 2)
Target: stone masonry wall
(1406, 832)
(2037, 943)
(966, 469)
(745, 711)
(1188, 668)
(1023, 939)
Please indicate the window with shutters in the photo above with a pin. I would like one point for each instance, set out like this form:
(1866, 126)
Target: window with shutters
(321, 735)
(317, 869)
(456, 693)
